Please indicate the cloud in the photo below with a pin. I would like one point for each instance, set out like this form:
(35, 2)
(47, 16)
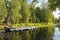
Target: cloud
(40, 3)
(37, 5)
(56, 13)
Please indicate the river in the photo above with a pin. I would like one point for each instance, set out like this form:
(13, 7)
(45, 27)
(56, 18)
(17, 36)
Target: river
(56, 34)
(25, 35)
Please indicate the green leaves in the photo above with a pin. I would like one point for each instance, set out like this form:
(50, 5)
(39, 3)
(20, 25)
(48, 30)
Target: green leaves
(21, 11)
(25, 11)
(35, 0)
(54, 4)
(15, 8)
(3, 11)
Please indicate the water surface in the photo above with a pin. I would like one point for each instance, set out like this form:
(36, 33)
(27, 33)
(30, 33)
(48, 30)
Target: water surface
(56, 34)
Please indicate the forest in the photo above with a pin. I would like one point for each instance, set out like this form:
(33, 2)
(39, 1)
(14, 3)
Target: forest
(25, 14)
(20, 11)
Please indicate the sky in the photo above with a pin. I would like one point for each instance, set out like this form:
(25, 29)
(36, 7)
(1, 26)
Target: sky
(56, 13)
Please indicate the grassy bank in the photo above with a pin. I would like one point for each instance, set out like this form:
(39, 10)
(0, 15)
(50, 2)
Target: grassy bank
(44, 32)
(37, 25)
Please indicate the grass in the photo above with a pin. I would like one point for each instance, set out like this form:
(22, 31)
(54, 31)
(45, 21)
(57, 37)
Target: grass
(1, 26)
(37, 25)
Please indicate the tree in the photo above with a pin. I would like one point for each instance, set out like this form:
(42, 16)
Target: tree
(58, 20)
(44, 15)
(15, 10)
(32, 10)
(3, 10)
(34, 1)
(54, 4)
(25, 11)
(38, 14)
(47, 14)
(41, 14)
(8, 3)
(55, 20)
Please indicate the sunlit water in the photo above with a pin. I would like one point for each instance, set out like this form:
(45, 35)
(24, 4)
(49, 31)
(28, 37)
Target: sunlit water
(56, 34)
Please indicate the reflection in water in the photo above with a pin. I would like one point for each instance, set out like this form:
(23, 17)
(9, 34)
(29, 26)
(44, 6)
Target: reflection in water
(56, 34)
(17, 35)
(43, 33)
(7, 35)
(59, 29)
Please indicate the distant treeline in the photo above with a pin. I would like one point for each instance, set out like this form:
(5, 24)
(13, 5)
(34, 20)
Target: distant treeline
(20, 11)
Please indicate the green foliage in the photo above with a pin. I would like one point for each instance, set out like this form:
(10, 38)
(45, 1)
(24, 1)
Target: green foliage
(57, 20)
(22, 12)
(38, 14)
(35, 1)
(43, 33)
(47, 15)
(3, 11)
(25, 11)
(54, 4)
(32, 10)
(15, 8)
(44, 15)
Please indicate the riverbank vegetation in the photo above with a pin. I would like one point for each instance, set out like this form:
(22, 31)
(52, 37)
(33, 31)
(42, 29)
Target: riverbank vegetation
(17, 11)
(37, 25)
(21, 13)
(43, 33)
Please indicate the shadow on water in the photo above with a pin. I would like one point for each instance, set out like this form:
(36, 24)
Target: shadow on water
(43, 33)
